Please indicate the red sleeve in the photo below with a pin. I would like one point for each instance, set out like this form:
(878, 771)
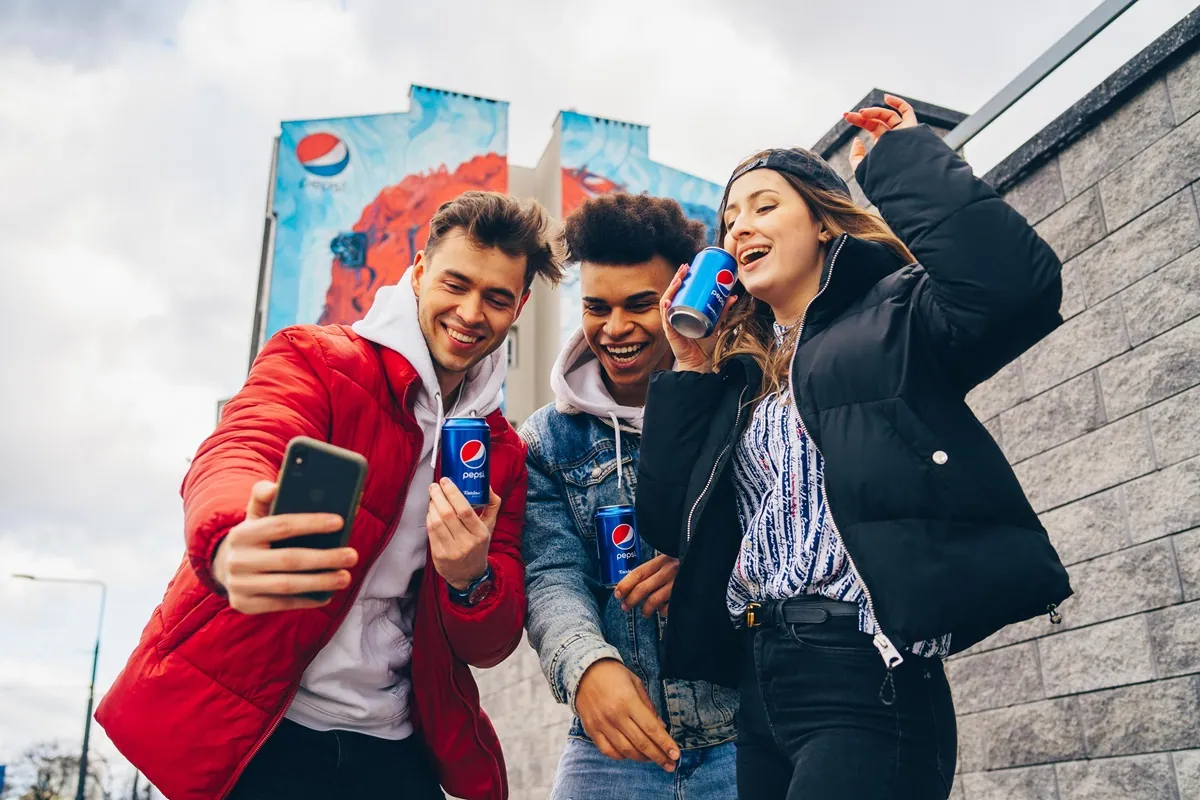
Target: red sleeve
(488, 633)
(285, 395)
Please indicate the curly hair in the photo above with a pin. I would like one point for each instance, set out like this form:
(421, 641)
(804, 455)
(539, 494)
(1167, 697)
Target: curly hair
(622, 229)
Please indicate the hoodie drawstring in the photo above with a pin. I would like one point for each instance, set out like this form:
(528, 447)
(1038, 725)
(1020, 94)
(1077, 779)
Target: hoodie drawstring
(437, 430)
(617, 430)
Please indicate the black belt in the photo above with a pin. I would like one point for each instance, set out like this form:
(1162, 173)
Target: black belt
(808, 609)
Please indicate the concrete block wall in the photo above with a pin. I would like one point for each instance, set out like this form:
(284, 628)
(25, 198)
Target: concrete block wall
(1101, 421)
(1102, 424)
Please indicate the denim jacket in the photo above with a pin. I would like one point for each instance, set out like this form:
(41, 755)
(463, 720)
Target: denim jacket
(573, 620)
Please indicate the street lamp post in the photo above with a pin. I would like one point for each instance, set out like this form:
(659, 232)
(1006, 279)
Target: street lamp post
(87, 722)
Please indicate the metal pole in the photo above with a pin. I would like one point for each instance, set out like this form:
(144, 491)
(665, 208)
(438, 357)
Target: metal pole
(1036, 72)
(80, 793)
(87, 722)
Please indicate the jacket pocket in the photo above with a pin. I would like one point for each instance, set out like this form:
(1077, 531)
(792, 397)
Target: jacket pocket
(195, 619)
(930, 454)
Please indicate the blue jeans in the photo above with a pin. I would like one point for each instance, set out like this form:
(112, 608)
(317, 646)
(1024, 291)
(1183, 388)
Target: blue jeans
(703, 773)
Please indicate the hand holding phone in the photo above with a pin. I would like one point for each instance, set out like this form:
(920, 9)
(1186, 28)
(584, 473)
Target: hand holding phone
(289, 552)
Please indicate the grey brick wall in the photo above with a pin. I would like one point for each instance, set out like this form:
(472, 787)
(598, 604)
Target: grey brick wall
(1102, 424)
(1101, 421)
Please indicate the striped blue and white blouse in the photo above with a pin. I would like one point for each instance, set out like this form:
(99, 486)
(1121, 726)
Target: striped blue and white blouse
(789, 546)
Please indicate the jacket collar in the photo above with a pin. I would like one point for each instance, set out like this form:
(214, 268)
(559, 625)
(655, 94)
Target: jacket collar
(851, 268)
(402, 378)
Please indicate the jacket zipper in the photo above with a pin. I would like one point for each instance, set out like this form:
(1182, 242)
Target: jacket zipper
(712, 475)
(887, 650)
(333, 631)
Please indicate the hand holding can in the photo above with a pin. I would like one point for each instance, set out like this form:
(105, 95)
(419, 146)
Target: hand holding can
(693, 303)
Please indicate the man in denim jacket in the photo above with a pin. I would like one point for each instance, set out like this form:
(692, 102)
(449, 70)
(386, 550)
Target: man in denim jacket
(634, 734)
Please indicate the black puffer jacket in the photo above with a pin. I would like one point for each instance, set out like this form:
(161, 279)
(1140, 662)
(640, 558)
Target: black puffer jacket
(930, 512)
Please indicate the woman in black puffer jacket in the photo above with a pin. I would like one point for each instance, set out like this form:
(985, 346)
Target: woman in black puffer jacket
(843, 521)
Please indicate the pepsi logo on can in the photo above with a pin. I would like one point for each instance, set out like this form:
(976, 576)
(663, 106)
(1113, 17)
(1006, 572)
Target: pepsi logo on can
(701, 299)
(623, 537)
(616, 543)
(464, 457)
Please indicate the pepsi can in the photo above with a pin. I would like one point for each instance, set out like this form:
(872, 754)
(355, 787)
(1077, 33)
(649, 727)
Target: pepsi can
(701, 299)
(616, 543)
(466, 442)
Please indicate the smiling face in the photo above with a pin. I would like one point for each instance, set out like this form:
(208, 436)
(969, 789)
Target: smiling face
(622, 324)
(467, 299)
(776, 240)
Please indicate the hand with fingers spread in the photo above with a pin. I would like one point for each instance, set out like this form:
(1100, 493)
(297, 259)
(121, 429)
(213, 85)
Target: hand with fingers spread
(693, 355)
(649, 585)
(617, 714)
(459, 535)
(878, 121)
(260, 579)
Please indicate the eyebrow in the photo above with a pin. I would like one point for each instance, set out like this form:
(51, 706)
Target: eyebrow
(649, 294)
(494, 290)
(751, 198)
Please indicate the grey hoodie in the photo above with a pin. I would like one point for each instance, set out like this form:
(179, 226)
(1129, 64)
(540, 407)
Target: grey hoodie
(360, 680)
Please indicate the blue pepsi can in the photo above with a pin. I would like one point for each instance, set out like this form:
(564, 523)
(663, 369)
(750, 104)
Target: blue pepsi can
(466, 443)
(616, 543)
(701, 299)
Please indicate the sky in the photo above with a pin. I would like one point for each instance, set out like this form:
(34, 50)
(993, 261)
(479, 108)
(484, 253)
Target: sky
(134, 147)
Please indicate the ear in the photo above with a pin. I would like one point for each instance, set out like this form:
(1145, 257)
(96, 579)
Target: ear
(521, 305)
(418, 271)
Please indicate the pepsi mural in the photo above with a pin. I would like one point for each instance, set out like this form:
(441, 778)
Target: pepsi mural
(353, 197)
(599, 156)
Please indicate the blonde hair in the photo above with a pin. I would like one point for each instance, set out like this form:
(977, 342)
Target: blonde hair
(748, 327)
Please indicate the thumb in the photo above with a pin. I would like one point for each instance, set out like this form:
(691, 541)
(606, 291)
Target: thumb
(858, 151)
(492, 510)
(261, 497)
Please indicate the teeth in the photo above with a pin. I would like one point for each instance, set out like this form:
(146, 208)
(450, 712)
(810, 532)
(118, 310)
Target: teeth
(624, 352)
(462, 337)
(745, 256)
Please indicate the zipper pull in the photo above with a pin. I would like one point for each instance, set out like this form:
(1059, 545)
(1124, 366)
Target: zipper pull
(1052, 611)
(891, 659)
(891, 656)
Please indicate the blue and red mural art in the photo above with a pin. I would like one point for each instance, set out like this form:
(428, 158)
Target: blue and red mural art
(354, 196)
(601, 156)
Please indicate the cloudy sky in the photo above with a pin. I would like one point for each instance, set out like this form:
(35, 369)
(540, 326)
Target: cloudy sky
(134, 141)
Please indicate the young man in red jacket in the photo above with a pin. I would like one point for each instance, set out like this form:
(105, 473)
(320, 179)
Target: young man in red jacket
(243, 688)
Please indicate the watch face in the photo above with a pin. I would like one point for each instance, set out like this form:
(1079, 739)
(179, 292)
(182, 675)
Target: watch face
(480, 592)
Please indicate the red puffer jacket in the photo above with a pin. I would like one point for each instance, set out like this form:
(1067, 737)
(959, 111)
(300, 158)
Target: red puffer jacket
(207, 684)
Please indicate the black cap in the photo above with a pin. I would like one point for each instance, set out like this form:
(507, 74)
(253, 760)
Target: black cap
(807, 166)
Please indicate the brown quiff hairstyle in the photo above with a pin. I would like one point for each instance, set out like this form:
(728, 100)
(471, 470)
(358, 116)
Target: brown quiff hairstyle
(515, 227)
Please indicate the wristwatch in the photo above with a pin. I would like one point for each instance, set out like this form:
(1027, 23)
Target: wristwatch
(475, 593)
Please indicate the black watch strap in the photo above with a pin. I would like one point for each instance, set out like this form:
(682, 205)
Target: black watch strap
(472, 595)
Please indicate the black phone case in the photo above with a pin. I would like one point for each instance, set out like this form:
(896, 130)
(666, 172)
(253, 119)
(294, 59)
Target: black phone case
(317, 477)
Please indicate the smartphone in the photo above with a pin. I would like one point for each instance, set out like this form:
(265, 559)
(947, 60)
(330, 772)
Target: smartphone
(318, 477)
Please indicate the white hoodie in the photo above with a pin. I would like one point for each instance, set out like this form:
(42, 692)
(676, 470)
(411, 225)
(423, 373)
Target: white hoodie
(360, 680)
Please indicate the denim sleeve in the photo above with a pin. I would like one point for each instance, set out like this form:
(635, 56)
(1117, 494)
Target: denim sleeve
(563, 620)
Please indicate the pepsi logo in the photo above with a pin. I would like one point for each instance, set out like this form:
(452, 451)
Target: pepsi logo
(472, 454)
(726, 278)
(322, 154)
(623, 536)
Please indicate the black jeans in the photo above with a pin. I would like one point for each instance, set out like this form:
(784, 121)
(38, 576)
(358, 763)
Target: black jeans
(812, 724)
(297, 763)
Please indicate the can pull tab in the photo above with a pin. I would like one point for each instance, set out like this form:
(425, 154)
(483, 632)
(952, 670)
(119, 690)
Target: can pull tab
(1055, 615)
